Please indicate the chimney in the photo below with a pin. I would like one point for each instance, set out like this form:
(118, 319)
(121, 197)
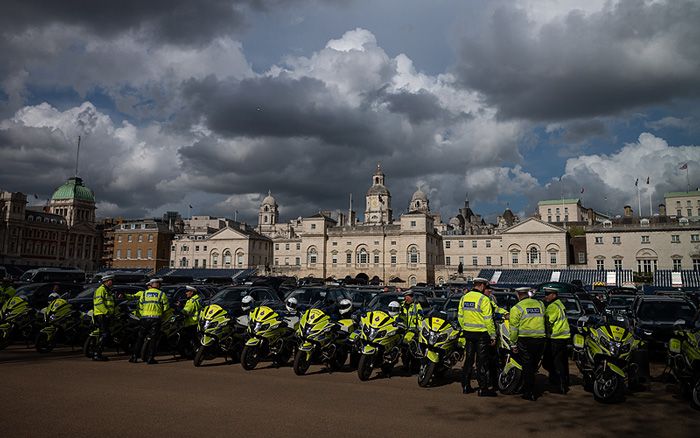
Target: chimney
(591, 216)
(662, 210)
(628, 211)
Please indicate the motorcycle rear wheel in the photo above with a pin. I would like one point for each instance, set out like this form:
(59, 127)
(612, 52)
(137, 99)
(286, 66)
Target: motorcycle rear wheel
(426, 373)
(607, 387)
(364, 367)
(199, 356)
(41, 343)
(301, 363)
(89, 346)
(695, 396)
(249, 358)
(510, 382)
(4, 339)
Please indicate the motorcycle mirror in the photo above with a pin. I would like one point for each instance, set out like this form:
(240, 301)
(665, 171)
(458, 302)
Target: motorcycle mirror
(582, 321)
(679, 323)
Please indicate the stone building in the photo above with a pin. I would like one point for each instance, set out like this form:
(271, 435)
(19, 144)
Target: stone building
(683, 204)
(60, 233)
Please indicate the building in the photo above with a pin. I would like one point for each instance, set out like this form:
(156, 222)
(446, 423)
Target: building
(106, 228)
(142, 244)
(61, 233)
(210, 242)
(568, 212)
(683, 204)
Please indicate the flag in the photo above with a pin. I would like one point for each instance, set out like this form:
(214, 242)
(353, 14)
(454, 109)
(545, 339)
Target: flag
(684, 166)
(582, 189)
(35, 196)
(636, 183)
(190, 206)
(647, 180)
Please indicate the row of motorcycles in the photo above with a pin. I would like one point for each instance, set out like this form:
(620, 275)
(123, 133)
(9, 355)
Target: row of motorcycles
(605, 350)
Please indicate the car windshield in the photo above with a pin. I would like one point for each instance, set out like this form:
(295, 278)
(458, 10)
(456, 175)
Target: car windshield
(381, 301)
(27, 290)
(229, 295)
(573, 308)
(87, 292)
(451, 304)
(308, 296)
(666, 311)
(617, 300)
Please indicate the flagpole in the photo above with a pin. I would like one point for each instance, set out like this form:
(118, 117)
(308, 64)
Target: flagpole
(687, 178)
(639, 201)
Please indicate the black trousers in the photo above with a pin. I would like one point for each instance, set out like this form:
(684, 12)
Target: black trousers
(478, 345)
(103, 322)
(530, 353)
(556, 361)
(150, 327)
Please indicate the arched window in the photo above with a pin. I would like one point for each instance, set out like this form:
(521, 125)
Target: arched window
(533, 255)
(183, 262)
(266, 209)
(413, 255)
(215, 259)
(312, 256)
(412, 281)
(265, 218)
(227, 259)
(239, 259)
(362, 256)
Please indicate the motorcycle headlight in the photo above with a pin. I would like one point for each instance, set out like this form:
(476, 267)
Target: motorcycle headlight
(52, 317)
(209, 324)
(260, 326)
(376, 333)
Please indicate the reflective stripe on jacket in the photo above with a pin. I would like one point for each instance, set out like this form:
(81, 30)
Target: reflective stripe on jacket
(557, 323)
(153, 303)
(527, 320)
(103, 301)
(475, 313)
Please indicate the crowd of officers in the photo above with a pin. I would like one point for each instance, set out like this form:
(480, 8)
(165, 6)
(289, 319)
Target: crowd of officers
(537, 333)
(534, 331)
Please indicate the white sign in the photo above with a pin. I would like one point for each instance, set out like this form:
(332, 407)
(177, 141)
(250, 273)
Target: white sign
(676, 279)
(611, 278)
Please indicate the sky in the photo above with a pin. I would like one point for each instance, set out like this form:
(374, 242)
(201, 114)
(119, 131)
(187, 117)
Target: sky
(213, 103)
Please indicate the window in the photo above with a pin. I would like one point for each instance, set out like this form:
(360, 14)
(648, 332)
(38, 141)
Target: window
(695, 237)
(119, 254)
(393, 242)
(393, 259)
(690, 212)
(299, 246)
(196, 248)
(149, 253)
(413, 255)
(413, 224)
(297, 261)
(312, 256)
(678, 212)
(334, 259)
(461, 260)
(558, 218)
(645, 239)
(474, 243)
(313, 226)
(286, 247)
(514, 257)
(239, 260)
(286, 261)
(677, 264)
(362, 256)
(227, 259)
(196, 263)
(533, 255)
(553, 257)
(646, 266)
(488, 244)
(460, 244)
(675, 238)
(488, 260)
(566, 218)
(600, 264)
(215, 260)
(447, 260)
(376, 259)
(139, 254)
(549, 218)
(448, 244)
(599, 240)
(475, 261)
(128, 237)
(150, 237)
(277, 246)
(128, 253)
(334, 244)
(616, 240)
(348, 258)
(277, 261)
(618, 264)
(140, 238)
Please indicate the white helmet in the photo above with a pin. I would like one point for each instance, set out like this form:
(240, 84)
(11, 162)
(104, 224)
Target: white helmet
(394, 308)
(291, 305)
(246, 303)
(344, 306)
(54, 296)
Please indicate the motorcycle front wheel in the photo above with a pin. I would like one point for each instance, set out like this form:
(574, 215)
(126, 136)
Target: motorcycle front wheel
(695, 395)
(249, 357)
(301, 363)
(426, 372)
(4, 339)
(364, 367)
(199, 356)
(607, 386)
(509, 382)
(42, 344)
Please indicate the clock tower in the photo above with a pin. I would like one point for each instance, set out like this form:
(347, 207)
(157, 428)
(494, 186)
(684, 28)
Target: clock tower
(378, 210)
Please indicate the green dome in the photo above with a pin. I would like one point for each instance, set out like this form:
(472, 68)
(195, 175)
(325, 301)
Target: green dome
(73, 189)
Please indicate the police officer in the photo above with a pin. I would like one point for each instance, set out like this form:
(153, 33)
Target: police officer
(476, 319)
(527, 335)
(411, 311)
(6, 290)
(152, 304)
(556, 359)
(497, 310)
(191, 312)
(103, 311)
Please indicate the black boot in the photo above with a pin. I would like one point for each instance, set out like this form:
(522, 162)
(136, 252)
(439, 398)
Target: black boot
(529, 397)
(133, 359)
(467, 390)
(98, 357)
(487, 393)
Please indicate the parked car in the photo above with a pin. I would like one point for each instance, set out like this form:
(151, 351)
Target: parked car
(620, 304)
(655, 316)
(83, 301)
(230, 298)
(308, 296)
(46, 275)
(38, 293)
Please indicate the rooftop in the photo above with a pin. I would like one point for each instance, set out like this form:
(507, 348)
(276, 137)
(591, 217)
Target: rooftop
(559, 201)
(682, 194)
(73, 189)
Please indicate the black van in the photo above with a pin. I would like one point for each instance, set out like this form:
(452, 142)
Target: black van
(49, 275)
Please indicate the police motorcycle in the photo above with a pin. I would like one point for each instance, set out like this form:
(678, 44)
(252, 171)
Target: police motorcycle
(684, 360)
(441, 346)
(271, 334)
(602, 351)
(17, 321)
(219, 333)
(124, 330)
(61, 324)
(510, 377)
(380, 340)
(171, 337)
(321, 339)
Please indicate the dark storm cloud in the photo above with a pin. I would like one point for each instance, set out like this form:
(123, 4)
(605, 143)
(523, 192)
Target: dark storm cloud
(628, 55)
